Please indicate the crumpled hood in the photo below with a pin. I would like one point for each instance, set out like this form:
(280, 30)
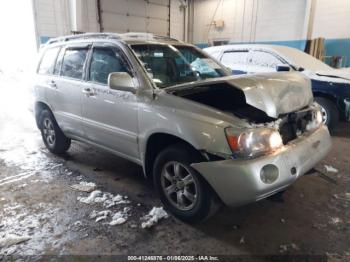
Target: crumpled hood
(274, 93)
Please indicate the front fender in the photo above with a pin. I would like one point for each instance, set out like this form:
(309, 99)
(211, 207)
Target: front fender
(201, 134)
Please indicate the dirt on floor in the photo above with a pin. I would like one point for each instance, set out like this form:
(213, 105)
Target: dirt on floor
(41, 214)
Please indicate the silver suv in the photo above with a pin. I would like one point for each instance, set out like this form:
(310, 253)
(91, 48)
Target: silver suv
(204, 137)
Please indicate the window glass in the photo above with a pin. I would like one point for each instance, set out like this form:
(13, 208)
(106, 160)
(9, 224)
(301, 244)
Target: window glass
(263, 59)
(174, 64)
(59, 60)
(48, 61)
(105, 61)
(73, 63)
(233, 58)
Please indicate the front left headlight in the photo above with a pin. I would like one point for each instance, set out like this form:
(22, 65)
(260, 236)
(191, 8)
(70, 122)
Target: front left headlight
(253, 142)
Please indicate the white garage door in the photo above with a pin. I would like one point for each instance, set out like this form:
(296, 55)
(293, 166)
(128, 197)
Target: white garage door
(135, 16)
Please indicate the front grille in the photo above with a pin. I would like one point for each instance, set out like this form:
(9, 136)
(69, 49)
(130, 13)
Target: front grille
(294, 125)
(288, 132)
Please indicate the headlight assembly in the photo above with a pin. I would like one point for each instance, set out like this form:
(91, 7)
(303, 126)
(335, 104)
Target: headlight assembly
(316, 119)
(253, 142)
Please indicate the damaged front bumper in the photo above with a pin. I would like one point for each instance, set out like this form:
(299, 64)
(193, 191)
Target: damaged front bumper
(239, 182)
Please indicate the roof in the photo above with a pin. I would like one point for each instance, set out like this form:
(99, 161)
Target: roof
(293, 56)
(133, 37)
(276, 48)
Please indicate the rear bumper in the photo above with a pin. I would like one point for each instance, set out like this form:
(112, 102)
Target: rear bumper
(238, 182)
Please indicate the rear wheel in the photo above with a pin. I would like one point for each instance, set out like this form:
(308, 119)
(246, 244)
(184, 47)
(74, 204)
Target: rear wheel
(182, 190)
(330, 113)
(53, 137)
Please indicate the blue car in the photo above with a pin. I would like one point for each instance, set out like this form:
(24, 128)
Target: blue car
(331, 87)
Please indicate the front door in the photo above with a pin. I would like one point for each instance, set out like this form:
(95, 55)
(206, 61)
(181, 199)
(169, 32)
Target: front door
(110, 117)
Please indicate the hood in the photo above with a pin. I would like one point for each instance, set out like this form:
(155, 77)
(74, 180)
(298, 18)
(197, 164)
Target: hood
(274, 94)
(341, 74)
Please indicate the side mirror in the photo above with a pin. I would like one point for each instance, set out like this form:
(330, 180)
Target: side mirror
(283, 68)
(121, 81)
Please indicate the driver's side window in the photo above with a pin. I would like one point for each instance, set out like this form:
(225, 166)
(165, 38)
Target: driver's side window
(105, 61)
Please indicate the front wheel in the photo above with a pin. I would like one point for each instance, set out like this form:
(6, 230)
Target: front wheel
(330, 113)
(181, 189)
(53, 137)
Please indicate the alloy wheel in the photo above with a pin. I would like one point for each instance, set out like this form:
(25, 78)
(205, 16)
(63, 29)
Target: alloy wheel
(49, 132)
(179, 185)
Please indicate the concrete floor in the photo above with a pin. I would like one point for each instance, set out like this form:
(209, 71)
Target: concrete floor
(36, 201)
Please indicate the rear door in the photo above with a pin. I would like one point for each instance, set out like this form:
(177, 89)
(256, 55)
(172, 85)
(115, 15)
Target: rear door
(110, 116)
(45, 82)
(66, 88)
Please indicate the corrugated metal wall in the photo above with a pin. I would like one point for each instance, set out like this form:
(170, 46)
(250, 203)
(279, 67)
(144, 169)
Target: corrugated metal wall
(61, 17)
(136, 16)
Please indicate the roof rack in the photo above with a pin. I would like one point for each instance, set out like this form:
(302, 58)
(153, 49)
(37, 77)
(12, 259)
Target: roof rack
(84, 36)
(124, 36)
(146, 36)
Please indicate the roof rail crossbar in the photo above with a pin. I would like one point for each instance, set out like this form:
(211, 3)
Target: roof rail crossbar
(147, 36)
(84, 36)
(124, 36)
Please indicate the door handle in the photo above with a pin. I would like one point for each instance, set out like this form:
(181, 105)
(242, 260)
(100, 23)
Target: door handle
(88, 91)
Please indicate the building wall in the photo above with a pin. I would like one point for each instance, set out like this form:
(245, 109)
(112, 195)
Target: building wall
(332, 22)
(332, 19)
(283, 22)
(52, 18)
(275, 21)
(61, 17)
(249, 20)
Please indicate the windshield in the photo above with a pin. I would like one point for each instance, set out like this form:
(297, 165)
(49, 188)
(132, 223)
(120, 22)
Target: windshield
(170, 65)
(300, 59)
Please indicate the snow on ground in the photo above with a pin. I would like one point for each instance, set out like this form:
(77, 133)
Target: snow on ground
(335, 221)
(102, 215)
(19, 224)
(20, 140)
(107, 200)
(331, 169)
(120, 217)
(12, 239)
(91, 198)
(152, 218)
(84, 186)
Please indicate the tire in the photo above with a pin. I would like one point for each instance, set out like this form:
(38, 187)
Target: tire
(55, 141)
(205, 202)
(329, 111)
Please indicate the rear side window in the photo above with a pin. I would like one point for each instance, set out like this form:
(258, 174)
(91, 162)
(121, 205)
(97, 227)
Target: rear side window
(105, 61)
(73, 63)
(47, 64)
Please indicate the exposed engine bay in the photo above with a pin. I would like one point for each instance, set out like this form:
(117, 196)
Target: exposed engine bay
(230, 100)
(226, 99)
